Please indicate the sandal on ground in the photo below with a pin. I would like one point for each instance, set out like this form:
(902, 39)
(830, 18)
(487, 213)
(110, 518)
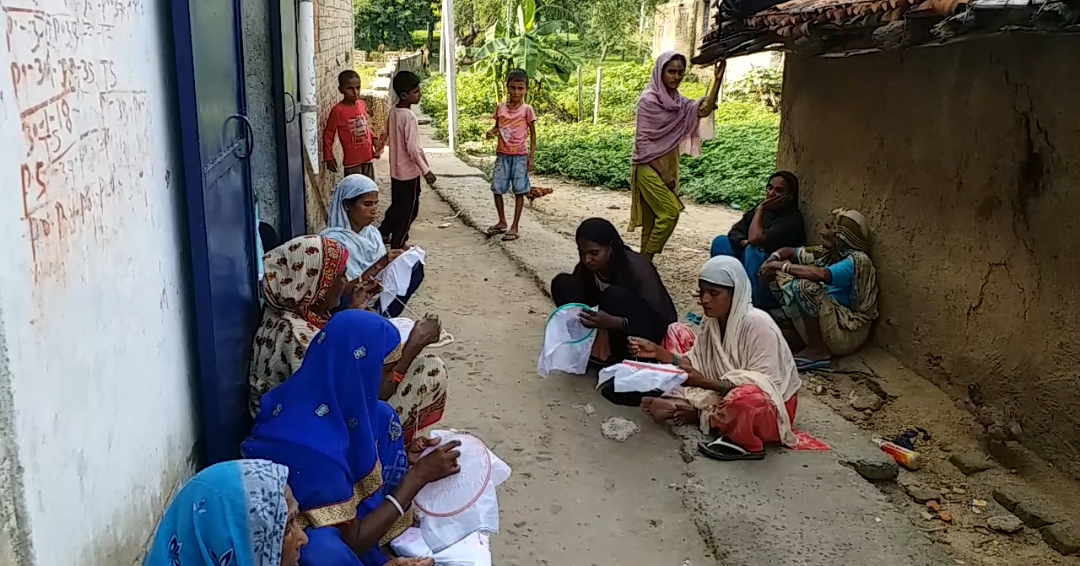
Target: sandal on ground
(806, 364)
(494, 230)
(510, 237)
(727, 451)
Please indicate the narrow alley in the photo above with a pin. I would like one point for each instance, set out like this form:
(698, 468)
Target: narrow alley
(576, 498)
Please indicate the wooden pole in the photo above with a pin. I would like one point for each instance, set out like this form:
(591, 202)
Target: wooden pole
(596, 102)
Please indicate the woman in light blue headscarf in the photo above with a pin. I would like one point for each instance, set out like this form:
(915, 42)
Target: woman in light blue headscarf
(354, 207)
(240, 513)
(349, 467)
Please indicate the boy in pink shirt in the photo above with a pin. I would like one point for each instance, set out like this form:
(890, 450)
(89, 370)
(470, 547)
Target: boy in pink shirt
(349, 122)
(515, 126)
(407, 162)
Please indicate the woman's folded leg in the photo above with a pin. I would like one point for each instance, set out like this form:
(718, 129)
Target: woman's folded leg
(747, 417)
(420, 399)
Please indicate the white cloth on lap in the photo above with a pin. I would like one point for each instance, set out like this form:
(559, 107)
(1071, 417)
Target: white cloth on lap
(473, 550)
(397, 276)
(642, 377)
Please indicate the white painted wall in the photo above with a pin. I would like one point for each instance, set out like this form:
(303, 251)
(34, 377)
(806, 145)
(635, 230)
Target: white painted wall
(95, 349)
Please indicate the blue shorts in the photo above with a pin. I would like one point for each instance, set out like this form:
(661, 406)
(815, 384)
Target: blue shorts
(511, 171)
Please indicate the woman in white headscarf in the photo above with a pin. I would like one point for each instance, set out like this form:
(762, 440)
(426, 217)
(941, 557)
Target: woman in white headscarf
(742, 382)
(414, 382)
(354, 207)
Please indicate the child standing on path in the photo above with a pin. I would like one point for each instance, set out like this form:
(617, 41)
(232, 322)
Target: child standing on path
(515, 124)
(349, 121)
(407, 162)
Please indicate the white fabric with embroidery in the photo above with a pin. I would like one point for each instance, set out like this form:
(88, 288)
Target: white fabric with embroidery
(642, 377)
(457, 506)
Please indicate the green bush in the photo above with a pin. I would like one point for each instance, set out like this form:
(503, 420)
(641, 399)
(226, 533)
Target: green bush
(596, 155)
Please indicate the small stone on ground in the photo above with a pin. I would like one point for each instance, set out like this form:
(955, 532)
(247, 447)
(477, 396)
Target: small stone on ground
(923, 494)
(863, 399)
(1008, 496)
(971, 462)
(1062, 537)
(1037, 514)
(1008, 524)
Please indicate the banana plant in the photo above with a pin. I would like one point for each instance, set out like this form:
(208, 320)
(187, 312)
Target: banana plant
(523, 42)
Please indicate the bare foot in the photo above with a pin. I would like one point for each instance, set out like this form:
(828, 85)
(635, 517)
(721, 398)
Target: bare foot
(685, 414)
(658, 408)
(813, 354)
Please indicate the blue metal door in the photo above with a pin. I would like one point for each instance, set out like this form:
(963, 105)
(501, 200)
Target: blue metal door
(283, 15)
(216, 141)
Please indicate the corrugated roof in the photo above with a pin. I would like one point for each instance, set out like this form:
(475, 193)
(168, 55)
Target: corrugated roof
(823, 27)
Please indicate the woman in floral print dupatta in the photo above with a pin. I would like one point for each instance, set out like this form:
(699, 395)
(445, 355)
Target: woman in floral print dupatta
(305, 278)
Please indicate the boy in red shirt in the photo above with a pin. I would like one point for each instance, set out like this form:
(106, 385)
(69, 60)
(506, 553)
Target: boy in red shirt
(515, 126)
(349, 121)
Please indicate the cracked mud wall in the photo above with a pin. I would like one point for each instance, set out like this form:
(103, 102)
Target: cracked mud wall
(966, 160)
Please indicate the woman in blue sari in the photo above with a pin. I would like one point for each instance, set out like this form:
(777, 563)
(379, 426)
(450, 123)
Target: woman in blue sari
(349, 467)
(239, 513)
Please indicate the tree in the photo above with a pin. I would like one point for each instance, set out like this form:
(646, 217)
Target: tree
(617, 24)
(390, 23)
(525, 43)
(761, 85)
(473, 17)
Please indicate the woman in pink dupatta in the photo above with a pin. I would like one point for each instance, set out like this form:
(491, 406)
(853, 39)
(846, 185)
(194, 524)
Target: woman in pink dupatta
(668, 124)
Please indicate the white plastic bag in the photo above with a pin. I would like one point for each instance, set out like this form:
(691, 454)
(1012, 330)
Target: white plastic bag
(457, 506)
(473, 550)
(567, 343)
(642, 377)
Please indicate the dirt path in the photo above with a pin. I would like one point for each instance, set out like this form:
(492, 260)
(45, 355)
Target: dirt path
(575, 498)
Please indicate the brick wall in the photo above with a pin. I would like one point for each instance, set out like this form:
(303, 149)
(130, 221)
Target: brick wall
(333, 54)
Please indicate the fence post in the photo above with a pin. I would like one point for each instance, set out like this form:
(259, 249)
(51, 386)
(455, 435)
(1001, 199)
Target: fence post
(580, 96)
(596, 103)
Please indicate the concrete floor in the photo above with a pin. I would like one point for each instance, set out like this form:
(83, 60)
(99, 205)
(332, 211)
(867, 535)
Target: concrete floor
(576, 498)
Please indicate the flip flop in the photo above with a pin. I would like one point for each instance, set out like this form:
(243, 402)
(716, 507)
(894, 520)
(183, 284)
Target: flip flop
(804, 364)
(510, 237)
(726, 451)
(494, 230)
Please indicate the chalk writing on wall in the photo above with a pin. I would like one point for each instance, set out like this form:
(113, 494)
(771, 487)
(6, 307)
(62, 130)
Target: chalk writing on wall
(84, 118)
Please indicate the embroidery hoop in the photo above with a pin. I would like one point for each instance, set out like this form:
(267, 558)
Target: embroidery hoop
(569, 306)
(421, 502)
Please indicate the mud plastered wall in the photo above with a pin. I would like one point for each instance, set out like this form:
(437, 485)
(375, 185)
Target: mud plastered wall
(965, 160)
(333, 54)
(96, 411)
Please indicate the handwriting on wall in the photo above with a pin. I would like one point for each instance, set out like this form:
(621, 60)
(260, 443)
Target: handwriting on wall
(85, 122)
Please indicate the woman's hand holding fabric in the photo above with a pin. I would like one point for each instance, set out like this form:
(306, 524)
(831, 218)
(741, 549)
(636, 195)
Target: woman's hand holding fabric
(417, 447)
(427, 331)
(440, 463)
(642, 348)
(600, 319)
(694, 378)
(363, 293)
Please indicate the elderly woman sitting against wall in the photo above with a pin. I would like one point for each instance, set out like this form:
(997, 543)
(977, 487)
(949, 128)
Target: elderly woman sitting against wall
(829, 291)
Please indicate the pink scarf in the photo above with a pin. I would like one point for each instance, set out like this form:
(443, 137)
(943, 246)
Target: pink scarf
(665, 118)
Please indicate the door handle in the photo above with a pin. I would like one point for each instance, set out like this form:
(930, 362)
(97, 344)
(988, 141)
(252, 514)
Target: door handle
(291, 104)
(249, 134)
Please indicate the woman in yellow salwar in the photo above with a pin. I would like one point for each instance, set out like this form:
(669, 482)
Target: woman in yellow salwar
(668, 124)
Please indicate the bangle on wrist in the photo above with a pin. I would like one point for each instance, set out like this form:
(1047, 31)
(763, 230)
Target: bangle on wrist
(393, 501)
(398, 377)
(787, 266)
(674, 359)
